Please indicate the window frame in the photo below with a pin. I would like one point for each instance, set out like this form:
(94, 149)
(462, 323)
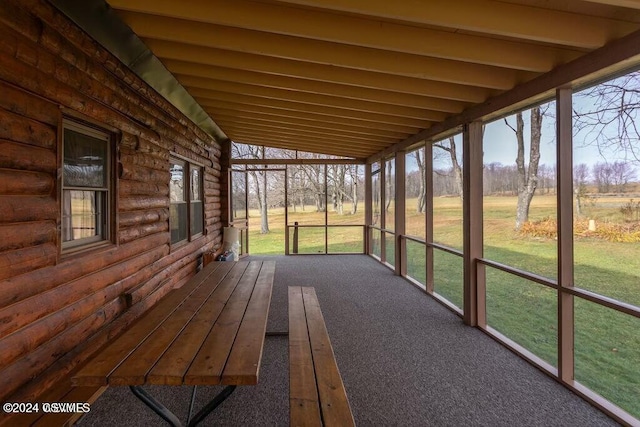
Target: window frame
(106, 237)
(188, 166)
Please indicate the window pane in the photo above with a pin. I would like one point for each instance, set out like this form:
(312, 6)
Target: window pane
(375, 188)
(196, 218)
(415, 191)
(178, 208)
(416, 261)
(345, 240)
(279, 153)
(607, 354)
(309, 240)
(448, 276)
(346, 194)
(519, 191)
(83, 214)
(178, 221)
(306, 196)
(606, 187)
(447, 192)
(523, 311)
(239, 196)
(375, 242)
(176, 185)
(85, 160)
(390, 248)
(196, 183)
(390, 195)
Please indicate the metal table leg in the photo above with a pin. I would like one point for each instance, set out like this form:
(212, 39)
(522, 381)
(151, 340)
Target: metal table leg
(155, 406)
(213, 404)
(170, 417)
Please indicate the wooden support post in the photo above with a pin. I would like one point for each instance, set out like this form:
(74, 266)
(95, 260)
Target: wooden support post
(428, 216)
(564, 149)
(474, 289)
(368, 208)
(383, 202)
(400, 228)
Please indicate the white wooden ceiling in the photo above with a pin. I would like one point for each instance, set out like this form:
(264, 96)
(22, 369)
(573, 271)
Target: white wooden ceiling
(353, 77)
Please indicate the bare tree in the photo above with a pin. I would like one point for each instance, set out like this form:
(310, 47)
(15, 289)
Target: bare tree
(259, 180)
(527, 176)
(602, 176)
(353, 174)
(608, 116)
(450, 147)
(420, 161)
(580, 178)
(622, 174)
(390, 184)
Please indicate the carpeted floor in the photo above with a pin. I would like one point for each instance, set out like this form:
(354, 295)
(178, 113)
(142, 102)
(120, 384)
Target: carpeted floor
(405, 361)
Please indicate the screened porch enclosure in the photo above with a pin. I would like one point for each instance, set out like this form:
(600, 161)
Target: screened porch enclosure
(315, 207)
(445, 214)
(458, 179)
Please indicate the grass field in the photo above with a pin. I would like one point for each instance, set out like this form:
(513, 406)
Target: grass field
(607, 343)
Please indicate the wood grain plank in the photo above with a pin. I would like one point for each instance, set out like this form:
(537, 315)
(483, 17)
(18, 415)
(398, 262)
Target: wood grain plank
(134, 369)
(87, 394)
(97, 371)
(243, 366)
(304, 406)
(53, 394)
(333, 397)
(172, 367)
(209, 363)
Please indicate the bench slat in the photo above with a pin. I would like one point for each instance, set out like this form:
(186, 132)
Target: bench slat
(333, 396)
(172, 368)
(304, 405)
(243, 365)
(134, 369)
(208, 364)
(96, 372)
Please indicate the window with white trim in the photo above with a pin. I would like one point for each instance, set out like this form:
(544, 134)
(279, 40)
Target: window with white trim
(186, 212)
(86, 186)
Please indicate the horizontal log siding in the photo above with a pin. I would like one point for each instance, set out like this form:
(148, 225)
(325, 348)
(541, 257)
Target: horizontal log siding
(55, 310)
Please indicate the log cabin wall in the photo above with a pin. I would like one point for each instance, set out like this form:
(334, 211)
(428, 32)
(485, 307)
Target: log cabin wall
(57, 309)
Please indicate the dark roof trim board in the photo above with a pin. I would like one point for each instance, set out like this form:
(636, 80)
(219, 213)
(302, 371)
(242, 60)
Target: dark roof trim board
(99, 21)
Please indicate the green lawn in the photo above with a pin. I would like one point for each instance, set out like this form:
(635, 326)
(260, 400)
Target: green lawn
(607, 343)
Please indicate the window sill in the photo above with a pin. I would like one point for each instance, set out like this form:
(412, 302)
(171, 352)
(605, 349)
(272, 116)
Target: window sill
(81, 251)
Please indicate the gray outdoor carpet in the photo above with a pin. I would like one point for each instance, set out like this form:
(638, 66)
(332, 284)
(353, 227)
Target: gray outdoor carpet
(405, 361)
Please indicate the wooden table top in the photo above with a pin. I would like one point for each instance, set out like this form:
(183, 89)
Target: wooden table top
(210, 331)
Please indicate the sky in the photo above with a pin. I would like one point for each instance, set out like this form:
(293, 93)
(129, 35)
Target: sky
(500, 145)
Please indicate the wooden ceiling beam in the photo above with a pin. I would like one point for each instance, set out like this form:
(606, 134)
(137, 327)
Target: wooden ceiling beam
(300, 146)
(266, 118)
(303, 130)
(631, 4)
(291, 132)
(489, 17)
(357, 31)
(198, 85)
(307, 144)
(312, 86)
(326, 53)
(208, 98)
(277, 113)
(284, 67)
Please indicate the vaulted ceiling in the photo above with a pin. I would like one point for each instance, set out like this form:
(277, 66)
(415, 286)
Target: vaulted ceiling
(353, 77)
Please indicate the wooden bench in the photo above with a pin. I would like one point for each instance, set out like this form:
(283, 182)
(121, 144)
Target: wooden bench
(210, 331)
(316, 393)
(62, 391)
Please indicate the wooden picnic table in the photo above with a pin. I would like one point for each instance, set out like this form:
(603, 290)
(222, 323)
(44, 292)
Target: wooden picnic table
(211, 331)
